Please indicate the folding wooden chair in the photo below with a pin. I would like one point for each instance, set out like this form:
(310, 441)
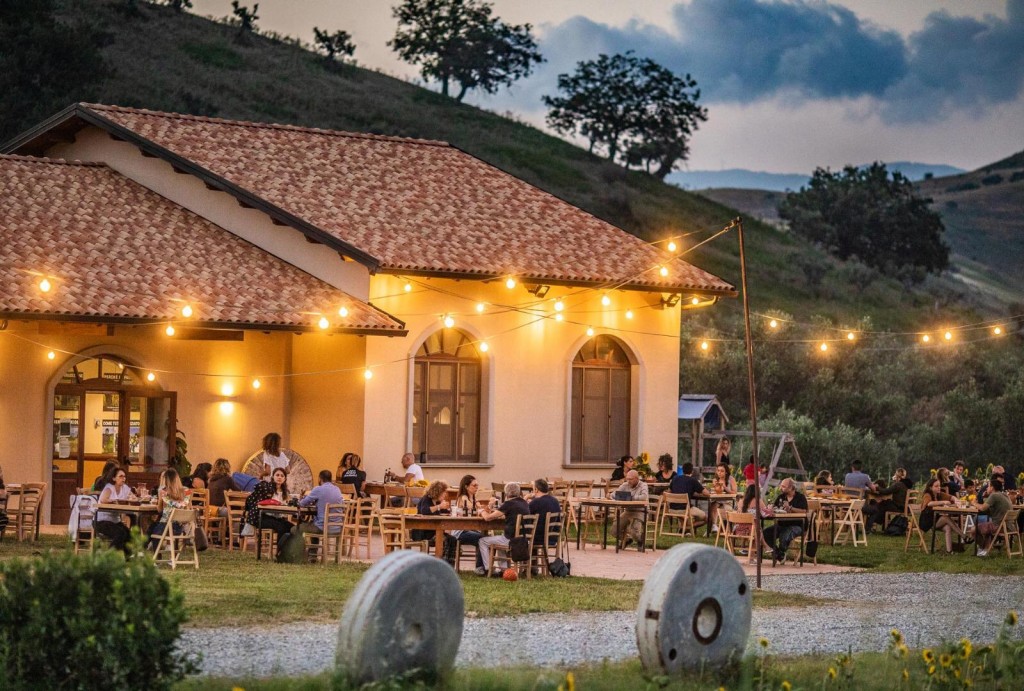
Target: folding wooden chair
(85, 531)
(914, 528)
(913, 497)
(526, 526)
(177, 537)
(1009, 530)
(321, 547)
(212, 523)
(676, 508)
(852, 521)
(849, 492)
(739, 543)
(348, 490)
(798, 544)
(414, 495)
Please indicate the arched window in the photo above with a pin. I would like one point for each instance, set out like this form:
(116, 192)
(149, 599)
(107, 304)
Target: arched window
(446, 399)
(600, 418)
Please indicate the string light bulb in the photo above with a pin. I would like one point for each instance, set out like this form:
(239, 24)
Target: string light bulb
(851, 336)
(704, 346)
(51, 355)
(186, 311)
(663, 271)
(480, 307)
(484, 347)
(998, 331)
(323, 323)
(150, 377)
(773, 324)
(449, 321)
(948, 335)
(343, 312)
(672, 247)
(169, 330)
(629, 314)
(510, 283)
(44, 285)
(823, 347)
(590, 331)
(227, 390)
(559, 317)
(926, 338)
(559, 306)
(256, 384)
(605, 300)
(408, 287)
(368, 374)
(695, 301)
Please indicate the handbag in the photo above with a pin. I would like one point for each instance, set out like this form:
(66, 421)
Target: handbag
(202, 543)
(519, 549)
(558, 568)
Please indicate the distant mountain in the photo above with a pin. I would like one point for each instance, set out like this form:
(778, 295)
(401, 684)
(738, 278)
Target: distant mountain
(739, 178)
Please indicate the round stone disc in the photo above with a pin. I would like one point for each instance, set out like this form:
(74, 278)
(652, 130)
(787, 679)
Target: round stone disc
(694, 611)
(300, 477)
(406, 613)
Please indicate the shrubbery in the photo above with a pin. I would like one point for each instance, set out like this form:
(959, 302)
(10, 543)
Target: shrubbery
(89, 621)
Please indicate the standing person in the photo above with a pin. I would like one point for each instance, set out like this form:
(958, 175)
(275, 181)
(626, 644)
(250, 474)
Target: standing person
(995, 507)
(724, 483)
(220, 482)
(109, 524)
(665, 470)
(689, 485)
(855, 479)
(790, 500)
(513, 507)
(722, 450)
(931, 497)
(171, 496)
(273, 457)
(465, 505)
(323, 494)
(750, 470)
(354, 473)
(894, 499)
(623, 466)
(631, 525)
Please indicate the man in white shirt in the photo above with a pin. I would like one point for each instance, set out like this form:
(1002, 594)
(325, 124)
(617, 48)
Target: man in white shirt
(413, 472)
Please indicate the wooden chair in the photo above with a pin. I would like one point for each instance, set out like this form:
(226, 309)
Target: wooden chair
(852, 521)
(850, 492)
(914, 528)
(549, 544)
(212, 523)
(526, 526)
(414, 495)
(4, 519)
(396, 496)
(85, 532)
(348, 490)
(322, 547)
(1009, 530)
(654, 506)
(396, 536)
(798, 544)
(235, 502)
(177, 537)
(737, 543)
(680, 515)
(26, 519)
(358, 527)
(913, 497)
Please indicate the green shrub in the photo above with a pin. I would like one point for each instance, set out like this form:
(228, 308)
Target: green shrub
(89, 621)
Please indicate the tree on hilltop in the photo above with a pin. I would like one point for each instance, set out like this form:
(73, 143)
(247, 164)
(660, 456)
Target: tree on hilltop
(333, 45)
(461, 41)
(246, 18)
(629, 106)
(866, 214)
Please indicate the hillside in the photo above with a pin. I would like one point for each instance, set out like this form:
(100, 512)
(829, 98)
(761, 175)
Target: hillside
(700, 180)
(185, 63)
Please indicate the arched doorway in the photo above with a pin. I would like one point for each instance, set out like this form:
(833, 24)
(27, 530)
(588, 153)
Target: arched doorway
(104, 409)
(601, 402)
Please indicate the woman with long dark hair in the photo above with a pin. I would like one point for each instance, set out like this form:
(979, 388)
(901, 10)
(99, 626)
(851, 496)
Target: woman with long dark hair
(931, 497)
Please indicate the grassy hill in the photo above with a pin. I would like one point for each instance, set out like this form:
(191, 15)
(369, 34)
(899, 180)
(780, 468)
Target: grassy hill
(184, 63)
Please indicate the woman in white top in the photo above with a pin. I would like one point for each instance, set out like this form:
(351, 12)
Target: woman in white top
(272, 456)
(109, 524)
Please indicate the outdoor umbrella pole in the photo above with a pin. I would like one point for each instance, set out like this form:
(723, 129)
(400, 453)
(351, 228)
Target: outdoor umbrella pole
(753, 398)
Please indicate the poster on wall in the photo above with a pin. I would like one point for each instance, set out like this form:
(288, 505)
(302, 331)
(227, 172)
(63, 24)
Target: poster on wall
(110, 436)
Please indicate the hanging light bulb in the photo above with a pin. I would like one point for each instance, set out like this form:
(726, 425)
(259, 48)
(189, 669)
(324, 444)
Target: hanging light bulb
(150, 377)
(629, 314)
(169, 330)
(408, 287)
(343, 312)
(948, 335)
(256, 384)
(480, 307)
(672, 247)
(368, 374)
(51, 355)
(227, 390)
(559, 317)
(663, 271)
(590, 331)
(449, 321)
(926, 338)
(773, 324)
(823, 347)
(605, 300)
(704, 345)
(851, 336)
(186, 311)
(998, 331)
(510, 283)
(44, 285)
(484, 347)
(695, 301)
(323, 323)
(559, 306)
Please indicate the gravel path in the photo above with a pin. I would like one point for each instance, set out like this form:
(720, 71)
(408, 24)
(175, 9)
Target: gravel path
(869, 606)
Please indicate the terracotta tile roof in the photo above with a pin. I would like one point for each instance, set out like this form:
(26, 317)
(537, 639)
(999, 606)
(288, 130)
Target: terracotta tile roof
(414, 205)
(114, 249)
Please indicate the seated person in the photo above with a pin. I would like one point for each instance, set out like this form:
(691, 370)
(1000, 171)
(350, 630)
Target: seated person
(777, 537)
(431, 503)
(354, 474)
(665, 470)
(995, 507)
(221, 481)
(631, 524)
(623, 466)
(465, 505)
(855, 479)
(513, 507)
(689, 485)
(893, 498)
(323, 494)
(543, 504)
(171, 496)
(823, 480)
(931, 497)
(110, 524)
(276, 489)
(723, 483)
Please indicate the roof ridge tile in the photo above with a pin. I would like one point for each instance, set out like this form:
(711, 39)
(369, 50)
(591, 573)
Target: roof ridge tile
(52, 161)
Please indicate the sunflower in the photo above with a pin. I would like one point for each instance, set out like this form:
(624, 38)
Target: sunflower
(928, 656)
(786, 686)
(763, 642)
(965, 647)
(945, 659)
(906, 675)
(1011, 618)
(832, 672)
(931, 670)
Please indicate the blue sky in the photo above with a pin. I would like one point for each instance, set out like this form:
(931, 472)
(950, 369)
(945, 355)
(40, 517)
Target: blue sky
(789, 84)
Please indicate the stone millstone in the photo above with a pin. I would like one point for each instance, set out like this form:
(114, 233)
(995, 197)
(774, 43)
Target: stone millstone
(694, 611)
(405, 614)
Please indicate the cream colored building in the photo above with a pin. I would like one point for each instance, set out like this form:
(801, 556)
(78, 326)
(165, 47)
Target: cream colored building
(324, 265)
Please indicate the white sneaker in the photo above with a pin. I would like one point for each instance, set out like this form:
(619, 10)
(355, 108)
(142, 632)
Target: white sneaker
(982, 552)
(714, 528)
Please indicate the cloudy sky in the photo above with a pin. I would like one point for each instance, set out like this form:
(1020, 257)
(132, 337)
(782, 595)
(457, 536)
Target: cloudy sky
(789, 84)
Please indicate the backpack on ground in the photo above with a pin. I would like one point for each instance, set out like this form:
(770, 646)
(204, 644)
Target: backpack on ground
(897, 526)
(558, 568)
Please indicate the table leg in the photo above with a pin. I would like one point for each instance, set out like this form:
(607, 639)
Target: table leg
(259, 535)
(934, 521)
(803, 539)
(604, 538)
(643, 541)
(439, 542)
(579, 524)
(618, 530)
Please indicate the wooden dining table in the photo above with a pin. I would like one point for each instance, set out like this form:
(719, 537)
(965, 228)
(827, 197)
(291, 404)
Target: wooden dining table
(609, 505)
(832, 505)
(792, 517)
(298, 513)
(958, 512)
(441, 524)
(139, 511)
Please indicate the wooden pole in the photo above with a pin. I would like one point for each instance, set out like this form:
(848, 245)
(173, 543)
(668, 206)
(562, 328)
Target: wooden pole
(753, 399)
